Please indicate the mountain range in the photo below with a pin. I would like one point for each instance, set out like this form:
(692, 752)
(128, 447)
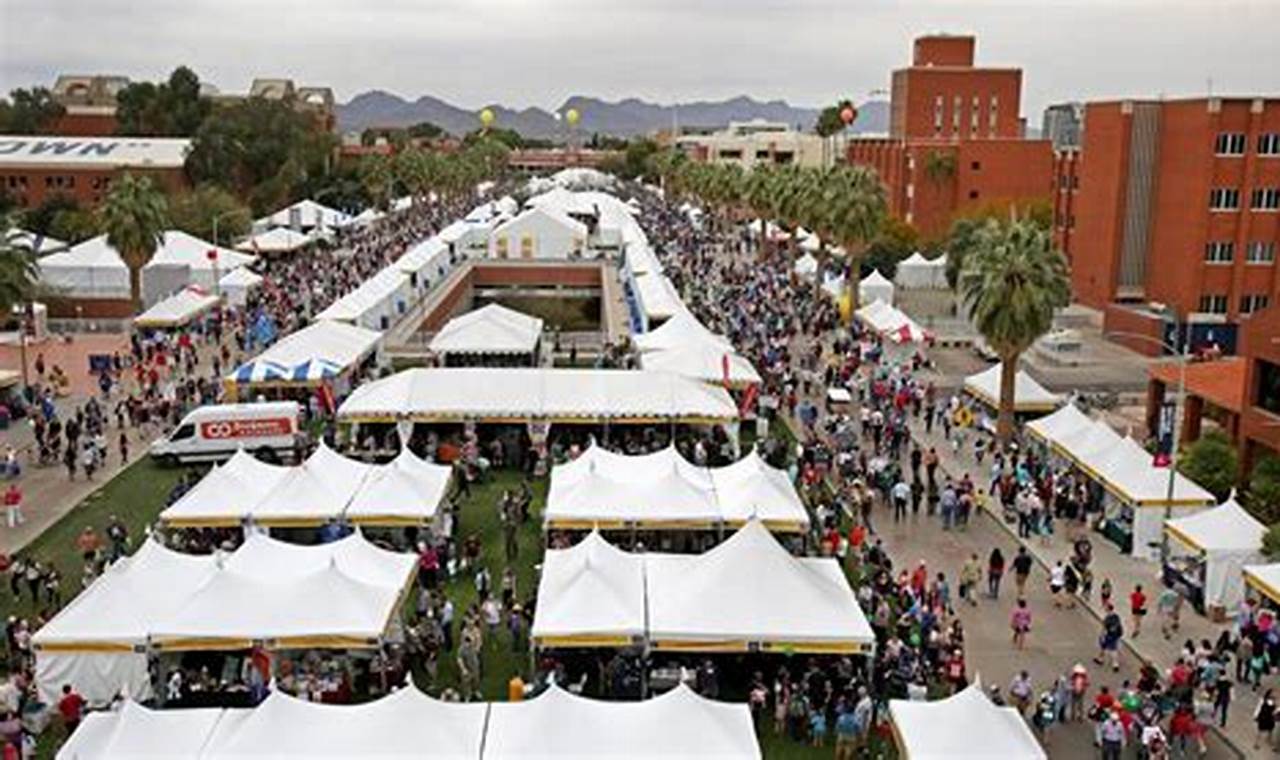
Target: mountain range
(624, 118)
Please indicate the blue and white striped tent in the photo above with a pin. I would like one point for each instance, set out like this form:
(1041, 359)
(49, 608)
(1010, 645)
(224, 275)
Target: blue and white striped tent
(267, 371)
(321, 351)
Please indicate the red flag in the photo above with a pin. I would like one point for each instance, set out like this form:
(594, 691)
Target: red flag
(748, 400)
(904, 334)
(327, 401)
(724, 369)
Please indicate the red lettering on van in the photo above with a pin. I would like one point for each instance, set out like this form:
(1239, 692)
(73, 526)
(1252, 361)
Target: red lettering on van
(261, 428)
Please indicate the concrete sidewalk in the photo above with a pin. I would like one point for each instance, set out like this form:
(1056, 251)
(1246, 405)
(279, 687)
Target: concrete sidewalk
(1124, 572)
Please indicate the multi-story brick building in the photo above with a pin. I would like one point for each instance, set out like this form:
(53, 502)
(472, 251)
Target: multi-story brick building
(955, 139)
(1178, 204)
(34, 169)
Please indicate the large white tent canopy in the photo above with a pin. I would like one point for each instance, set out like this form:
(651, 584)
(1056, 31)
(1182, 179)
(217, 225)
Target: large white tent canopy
(542, 232)
(178, 310)
(317, 352)
(875, 287)
(889, 321)
(276, 240)
(703, 362)
(187, 250)
(326, 487)
(135, 732)
(306, 215)
(555, 395)
(591, 594)
(1265, 579)
(964, 726)
(681, 330)
(917, 272)
(237, 284)
(491, 329)
(376, 304)
(657, 296)
(1028, 395)
(1227, 538)
(94, 269)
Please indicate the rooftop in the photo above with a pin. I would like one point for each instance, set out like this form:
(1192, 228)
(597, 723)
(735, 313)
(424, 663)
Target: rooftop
(1219, 382)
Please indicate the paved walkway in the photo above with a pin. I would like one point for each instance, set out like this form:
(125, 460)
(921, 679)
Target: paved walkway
(1124, 572)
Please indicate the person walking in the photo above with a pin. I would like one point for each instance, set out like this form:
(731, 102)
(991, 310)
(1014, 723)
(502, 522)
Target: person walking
(1264, 718)
(1169, 606)
(1112, 736)
(1021, 571)
(1020, 692)
(13, 506)
(1222, 694)
(1137, 608)
(901, 496)
(1020, 621)
(1109, 641)
(995, 571)
(970, 572)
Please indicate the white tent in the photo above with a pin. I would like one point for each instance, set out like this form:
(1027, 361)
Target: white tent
(657, 297)
(1028, 395)
(276, 240)
(135, 732)
(318, 352)
(376, 304)
(875, 287)
(751, 488)
(91, 269)
(890, 322)
(556, 395)
(1225, 538)
(237, 284)
(365, 218)
(223, 495)
(97, 642)
(833, 284)
(406, 491)
(964, 726)
(917, 272)
(491, 329)
(426, 263)
(1052, 428)
(751, 592)
(703, 362)
(1265, 579)
(557, 725)
(542, 232)
(39, 245)
(591, 594)
(306, 215)
(187, 250)
(806, 266)
(312, 493)
(681, 330)
(178, 310)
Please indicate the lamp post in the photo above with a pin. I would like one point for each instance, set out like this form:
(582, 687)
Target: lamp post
(1179, 406)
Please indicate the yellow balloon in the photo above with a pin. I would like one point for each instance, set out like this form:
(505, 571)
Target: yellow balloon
(845, 305)
(486, 117)
(572, 116)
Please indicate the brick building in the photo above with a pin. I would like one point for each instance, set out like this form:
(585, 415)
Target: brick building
(33, 169)
(1260, 418)
(955, 139)
(1178, 204)
(88, 104)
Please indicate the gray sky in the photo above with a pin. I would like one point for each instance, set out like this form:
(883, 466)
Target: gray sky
(537, 52)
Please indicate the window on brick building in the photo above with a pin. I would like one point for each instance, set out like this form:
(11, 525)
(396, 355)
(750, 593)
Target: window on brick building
(1268, 395)
(1213, 303)
(957, 104)
(1261, 252)
(975, 113)
(1269, 144)
(973, 195)
(1229, 144)
(994, 114)
(1224, 199)
(976, 166)
(1251, 302)
(937, 113)
(1219, 252)
(1265, 199)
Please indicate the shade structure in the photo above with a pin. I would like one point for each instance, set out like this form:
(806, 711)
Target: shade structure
(92, 269)
(964, 725)
(428, 261)
(277, 240)
(237, 284)
(506, 394)
(708, 363)
(680, 331)
(657, 296)
(376, 304)
(890, 322)
(178, 310)
(663, 490)
(1227, 538)
(491, 329)
(1054, 427)
(37, 244)
(188, 250)
(1128, 471)
(306, 215)
(1028, 395)
(875, 287)
(353, 554)
(316, 353)
(135, 732)
(1265, 579)
(542, 232)
(325, 488)
(591, 594)
(678, 724)
(917, 272)
(641, 259)
(750, 593)
(806, 266)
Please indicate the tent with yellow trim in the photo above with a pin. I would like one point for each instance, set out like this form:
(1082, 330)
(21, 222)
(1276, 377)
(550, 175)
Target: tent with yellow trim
(1028, 395)
(591, 594)
(408, 490)
(1225, 539)
(178, 310)
(222, 497)
(752, 488)
(1265, 579)
(135, 732)
(963, 726)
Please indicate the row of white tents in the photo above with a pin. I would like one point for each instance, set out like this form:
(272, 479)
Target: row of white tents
(745, 594)
(322, 352)
(326, 487)
(410, 724)
(340, 595)
(684, 346)
(663, 490)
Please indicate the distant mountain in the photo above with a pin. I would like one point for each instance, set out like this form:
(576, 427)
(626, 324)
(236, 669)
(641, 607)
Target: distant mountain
(625, 118)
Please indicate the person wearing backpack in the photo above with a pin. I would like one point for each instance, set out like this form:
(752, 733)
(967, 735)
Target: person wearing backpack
(1109, 641)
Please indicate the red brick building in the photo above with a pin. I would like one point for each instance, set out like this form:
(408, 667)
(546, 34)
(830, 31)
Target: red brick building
(1260, 418)
(1178, 204)
(955, 139)
(36, 168)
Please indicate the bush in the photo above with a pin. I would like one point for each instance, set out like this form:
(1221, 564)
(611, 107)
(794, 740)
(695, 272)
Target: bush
(1271, 543)
(1211, 462)
(1263, 496)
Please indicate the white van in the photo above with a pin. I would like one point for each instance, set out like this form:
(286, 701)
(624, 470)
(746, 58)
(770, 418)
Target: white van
(271, 431)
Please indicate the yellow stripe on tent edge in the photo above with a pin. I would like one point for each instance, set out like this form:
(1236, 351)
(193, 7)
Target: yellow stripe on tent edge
(570, 642)
(200, 522)
(77, 647)
(1183, 538)
(1262, 587)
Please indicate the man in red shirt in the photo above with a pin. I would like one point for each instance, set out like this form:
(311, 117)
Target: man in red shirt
(71, 707)
(1137, 608)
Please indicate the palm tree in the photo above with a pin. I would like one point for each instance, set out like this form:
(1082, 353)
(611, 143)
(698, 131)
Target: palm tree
(856, 207)
(135, 215)
(378, 178)
(1012, 282)
(18, 271)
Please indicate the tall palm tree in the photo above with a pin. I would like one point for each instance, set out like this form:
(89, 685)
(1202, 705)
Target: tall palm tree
(1012, 282)
(18, 271)
(135, 216)
(856, 209)
(378, 178)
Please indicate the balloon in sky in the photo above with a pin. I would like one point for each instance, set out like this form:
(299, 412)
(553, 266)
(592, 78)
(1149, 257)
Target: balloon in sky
(486, 118)
(572, 116)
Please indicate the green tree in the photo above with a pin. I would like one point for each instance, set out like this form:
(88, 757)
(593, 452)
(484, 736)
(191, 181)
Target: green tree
(505, 135)
(75, 225)
(135, 216)
(896, 241)
(29, 112)
(854, 210)
(1263, 496)
(1211, 461)
(194, 213)
(378, 176)
(41, 218)
(19, 274)
(1012, 282)
(1271, 543)
(829, 120)
(425, 130)
(173, 108)
(939, 166)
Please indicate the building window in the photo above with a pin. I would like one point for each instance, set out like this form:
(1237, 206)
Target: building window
(1224, 199)
(1269, 144)
(730, 155)
(957, 105)
(976, 166)
(1261, 252)
(1213, 304)
(1268, 397)
(1251, 302)
(973, 195)
(994, 114)
(975, 113)
(1266, 199)
(937, 113)
(1229, 144)
(1218, 252)
(761, 154)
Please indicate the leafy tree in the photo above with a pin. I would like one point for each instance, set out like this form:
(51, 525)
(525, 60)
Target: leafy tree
(425, 130)
(40, 219)
(378, 176)
(829, 120)
(1012, 281)
(1263, 496)
(1271, 543)
(75, 225)
(635, 159)
(19, 275)
(29, 112)
(1211, 461)
(194, 213)
(896, 241)
(505, 135)
(135, 216)
(173, 108)
(939, 166)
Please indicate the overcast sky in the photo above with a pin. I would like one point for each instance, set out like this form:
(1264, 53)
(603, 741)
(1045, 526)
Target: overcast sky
(538, 52)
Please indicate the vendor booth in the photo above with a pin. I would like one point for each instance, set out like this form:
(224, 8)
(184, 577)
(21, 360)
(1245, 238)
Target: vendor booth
(305, 215)
(238, 284)
(590, 595)
(919, 273)
(1265, 580)
(702, 362)
(492, 335)
(322, 352)
(875, 287)
(178, 310)
(964, 726)
(1029, 396)
(377, 304)
(275, 241)
(683, 329)
(207, 262)
(890, 322)
(1209, 551)
(806, 266)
